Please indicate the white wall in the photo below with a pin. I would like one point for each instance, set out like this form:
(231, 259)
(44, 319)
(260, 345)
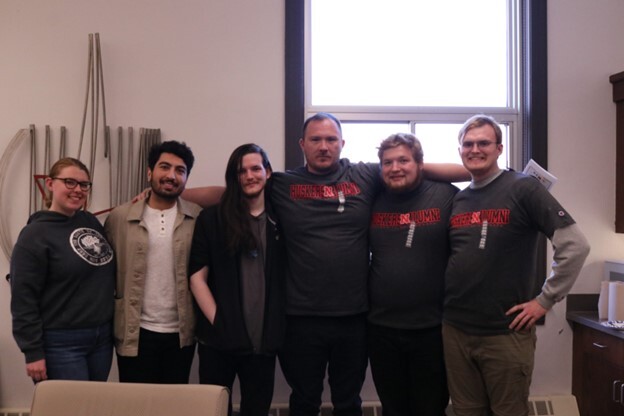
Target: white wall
(211, 73)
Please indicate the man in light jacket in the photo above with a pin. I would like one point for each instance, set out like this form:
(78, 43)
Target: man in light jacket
(154, 316)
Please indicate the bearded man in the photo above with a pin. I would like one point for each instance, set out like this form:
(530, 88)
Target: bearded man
(154, 312)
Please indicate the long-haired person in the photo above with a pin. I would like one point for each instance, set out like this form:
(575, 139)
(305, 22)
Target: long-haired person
(237, 275)
(62, 284)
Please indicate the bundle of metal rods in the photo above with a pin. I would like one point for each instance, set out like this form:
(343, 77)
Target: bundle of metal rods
(123, 187)
(131, 172)
(36, 196)
(95, 85)
(147, 138)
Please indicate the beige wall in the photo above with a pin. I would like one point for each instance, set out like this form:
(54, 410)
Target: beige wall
(211, 73)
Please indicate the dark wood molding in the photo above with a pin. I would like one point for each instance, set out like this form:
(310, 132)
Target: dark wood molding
(294, 79)
(618, 98)
(535, 82)
(535, 95)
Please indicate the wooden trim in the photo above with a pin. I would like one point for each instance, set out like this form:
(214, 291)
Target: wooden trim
(617, 80)
(535, 83)
(294, 79)
(535, 94)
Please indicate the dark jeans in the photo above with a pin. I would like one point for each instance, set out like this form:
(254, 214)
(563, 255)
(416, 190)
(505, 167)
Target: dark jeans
(160, 360)
(316, 345)
(256, 377)
(408, 370)
(79, 354)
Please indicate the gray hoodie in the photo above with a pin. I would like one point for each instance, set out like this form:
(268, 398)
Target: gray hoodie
(62, 277)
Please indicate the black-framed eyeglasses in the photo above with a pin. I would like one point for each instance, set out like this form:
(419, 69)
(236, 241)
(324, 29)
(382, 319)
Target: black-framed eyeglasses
(72, 183)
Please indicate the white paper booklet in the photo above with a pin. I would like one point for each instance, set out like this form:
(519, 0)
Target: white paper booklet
(546, 178)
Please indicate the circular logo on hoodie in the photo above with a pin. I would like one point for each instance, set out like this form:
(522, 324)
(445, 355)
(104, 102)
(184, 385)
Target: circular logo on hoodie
(91, 246)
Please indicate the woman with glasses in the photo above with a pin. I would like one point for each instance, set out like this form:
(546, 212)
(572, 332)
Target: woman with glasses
(62, 284)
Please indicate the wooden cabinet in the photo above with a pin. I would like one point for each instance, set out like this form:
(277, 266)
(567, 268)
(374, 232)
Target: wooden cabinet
(598, 372)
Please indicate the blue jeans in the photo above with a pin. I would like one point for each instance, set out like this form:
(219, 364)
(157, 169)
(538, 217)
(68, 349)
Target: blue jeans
(408, 370)
(317, 345)
(79, 354)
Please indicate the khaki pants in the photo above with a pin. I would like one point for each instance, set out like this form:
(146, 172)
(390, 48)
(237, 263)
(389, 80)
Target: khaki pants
(489, 375)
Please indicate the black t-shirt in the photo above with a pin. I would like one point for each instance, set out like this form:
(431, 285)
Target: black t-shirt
(325, 221)
(410, 249)
(494, 232)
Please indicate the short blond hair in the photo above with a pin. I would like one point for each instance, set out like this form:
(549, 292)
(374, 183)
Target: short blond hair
(480, 120)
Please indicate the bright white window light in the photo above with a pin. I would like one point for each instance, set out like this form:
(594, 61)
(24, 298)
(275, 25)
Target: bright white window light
(439, 53)
(439, 141)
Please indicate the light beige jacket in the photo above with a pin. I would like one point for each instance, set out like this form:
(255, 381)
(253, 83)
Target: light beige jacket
(128, 235)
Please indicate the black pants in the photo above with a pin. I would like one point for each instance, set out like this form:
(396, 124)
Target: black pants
(160, 360)
(408, 370)
(256, 377)
(316, 346)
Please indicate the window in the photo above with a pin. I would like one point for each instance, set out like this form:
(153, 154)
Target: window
(408, 53)
(420, 66)
(340, 60)
(439, 140)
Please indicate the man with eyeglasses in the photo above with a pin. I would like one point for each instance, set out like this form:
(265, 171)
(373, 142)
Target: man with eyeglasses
(494, 295)
(154, 311)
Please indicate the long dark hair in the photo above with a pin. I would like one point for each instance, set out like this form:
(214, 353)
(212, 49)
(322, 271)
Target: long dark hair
(234, 208)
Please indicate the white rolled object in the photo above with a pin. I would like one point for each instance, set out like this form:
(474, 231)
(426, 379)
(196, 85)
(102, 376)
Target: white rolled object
(616, 301)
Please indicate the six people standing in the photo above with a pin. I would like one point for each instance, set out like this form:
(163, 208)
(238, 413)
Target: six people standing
(238, 270)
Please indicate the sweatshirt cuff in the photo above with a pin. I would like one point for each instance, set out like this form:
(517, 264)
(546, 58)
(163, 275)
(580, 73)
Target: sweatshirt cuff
(34, 355)
(544, 301)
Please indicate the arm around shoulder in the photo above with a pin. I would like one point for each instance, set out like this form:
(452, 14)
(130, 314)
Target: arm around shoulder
(446, 172)
(204, 196)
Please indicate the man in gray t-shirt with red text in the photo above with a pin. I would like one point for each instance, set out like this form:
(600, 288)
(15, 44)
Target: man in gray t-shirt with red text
(494, 295)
